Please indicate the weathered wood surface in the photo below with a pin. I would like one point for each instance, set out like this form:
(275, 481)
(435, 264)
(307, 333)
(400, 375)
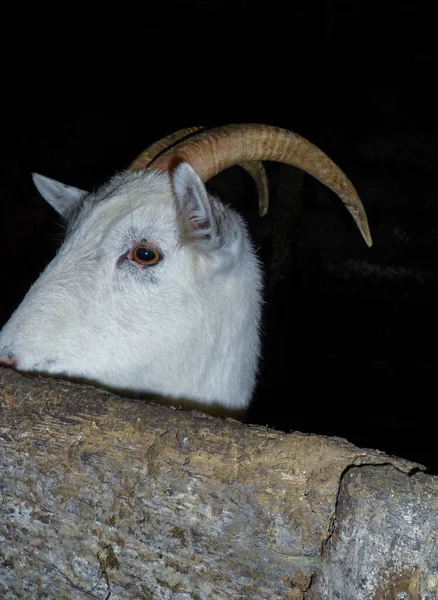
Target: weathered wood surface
(103, 497)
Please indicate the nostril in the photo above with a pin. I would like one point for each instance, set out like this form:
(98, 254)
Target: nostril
(8, 360)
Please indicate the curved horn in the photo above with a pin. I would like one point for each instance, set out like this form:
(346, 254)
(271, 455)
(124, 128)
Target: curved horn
(258, 173)
(144, 159)
(212, 151)
(153, 152)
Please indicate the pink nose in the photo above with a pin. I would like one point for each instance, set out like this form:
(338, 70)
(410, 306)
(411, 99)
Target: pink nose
(8, 360)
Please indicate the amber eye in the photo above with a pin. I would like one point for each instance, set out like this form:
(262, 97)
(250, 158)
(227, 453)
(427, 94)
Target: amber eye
(145, 255)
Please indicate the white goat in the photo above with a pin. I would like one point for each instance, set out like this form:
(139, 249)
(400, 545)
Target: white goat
(157, 287)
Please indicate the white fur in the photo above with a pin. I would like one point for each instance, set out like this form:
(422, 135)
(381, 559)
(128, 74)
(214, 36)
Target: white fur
(186, 328)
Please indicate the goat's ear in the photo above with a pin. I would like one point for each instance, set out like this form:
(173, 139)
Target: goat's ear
(63, 198)
(204, 220)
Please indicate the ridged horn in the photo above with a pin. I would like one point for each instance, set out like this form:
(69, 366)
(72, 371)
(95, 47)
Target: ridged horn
(144, 159)
(210, 152)
(153, 152)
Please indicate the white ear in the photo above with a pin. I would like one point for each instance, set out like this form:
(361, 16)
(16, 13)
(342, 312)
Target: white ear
(63, 198)
(204, 220)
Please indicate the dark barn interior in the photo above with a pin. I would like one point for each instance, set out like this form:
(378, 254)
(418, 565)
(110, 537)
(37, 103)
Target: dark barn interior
(348, 330)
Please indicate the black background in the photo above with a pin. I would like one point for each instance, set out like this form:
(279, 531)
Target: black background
(350, 332)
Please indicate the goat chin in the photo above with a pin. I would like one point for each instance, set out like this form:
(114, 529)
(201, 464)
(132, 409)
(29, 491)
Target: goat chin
(156, 289)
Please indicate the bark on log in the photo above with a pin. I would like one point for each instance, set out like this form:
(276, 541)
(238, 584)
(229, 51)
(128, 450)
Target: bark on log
(104, 497)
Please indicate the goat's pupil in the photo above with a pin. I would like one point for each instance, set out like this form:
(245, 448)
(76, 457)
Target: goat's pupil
(145, 254)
